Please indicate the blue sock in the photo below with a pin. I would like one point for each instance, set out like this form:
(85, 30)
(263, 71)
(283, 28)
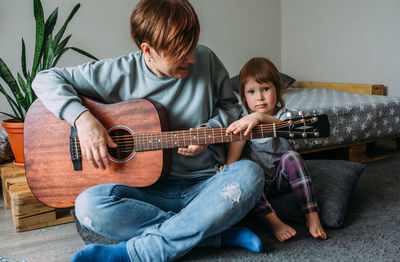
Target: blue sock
(97, 252)
(241, 237)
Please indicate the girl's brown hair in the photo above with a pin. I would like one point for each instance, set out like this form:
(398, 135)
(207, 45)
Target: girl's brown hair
(169, 26)
(261, 70)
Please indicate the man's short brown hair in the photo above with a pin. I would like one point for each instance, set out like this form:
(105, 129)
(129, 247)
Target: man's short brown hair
(169, 26)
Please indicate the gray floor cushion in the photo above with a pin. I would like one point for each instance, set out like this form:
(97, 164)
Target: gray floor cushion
(333, 182)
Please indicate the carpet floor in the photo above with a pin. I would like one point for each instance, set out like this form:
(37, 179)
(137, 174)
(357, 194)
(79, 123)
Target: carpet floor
(371, 231)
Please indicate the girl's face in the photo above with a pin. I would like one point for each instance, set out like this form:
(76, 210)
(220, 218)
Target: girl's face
(260, 97)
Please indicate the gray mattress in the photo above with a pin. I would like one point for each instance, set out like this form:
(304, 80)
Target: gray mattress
(352, 117)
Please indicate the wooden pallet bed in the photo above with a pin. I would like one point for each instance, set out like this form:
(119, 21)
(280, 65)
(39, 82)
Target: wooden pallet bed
(369, 148)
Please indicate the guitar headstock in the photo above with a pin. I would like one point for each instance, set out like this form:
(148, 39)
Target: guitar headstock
(315, 126)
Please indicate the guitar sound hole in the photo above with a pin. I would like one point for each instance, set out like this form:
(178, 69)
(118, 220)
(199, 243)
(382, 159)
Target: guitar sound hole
(124, 139)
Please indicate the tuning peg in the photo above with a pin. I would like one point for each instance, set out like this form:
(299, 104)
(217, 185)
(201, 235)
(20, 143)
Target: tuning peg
(316, 134)
(289, 115)
(302, 113)
(314, 113)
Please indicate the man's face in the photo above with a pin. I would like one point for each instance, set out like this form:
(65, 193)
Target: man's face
(161, 65)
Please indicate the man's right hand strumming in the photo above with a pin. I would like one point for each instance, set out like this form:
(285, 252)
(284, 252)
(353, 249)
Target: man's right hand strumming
(94, 140)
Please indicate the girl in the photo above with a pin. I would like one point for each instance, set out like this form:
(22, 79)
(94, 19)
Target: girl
(260, 89)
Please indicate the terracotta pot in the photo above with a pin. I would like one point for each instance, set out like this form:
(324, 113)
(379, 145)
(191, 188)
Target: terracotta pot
(15, 131)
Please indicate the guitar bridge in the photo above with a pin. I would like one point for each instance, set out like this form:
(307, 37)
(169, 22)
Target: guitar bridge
(74, 149)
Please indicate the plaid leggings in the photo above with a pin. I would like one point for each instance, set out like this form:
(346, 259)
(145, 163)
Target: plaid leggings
(290, 175)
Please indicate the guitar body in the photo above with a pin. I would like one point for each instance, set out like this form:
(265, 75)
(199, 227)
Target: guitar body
(49, 169)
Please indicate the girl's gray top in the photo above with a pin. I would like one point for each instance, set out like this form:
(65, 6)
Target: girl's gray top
(267, 151)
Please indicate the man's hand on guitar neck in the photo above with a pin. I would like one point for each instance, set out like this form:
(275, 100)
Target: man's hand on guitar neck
(93, 138)
(192, 150)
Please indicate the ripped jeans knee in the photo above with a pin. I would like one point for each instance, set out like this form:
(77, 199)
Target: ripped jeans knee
(232, 192)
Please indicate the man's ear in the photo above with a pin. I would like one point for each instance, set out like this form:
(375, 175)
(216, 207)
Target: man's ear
(145, 48)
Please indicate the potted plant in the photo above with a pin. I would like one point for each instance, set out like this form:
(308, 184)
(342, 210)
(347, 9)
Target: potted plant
(48, 51)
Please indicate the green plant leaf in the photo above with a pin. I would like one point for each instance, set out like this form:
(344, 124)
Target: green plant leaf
(61, 46)
(50, 23)
(6, 75)
(30, 94)
(40, 27)
(48, 32)
(12, 116)
(60, 33)
(23, 59)
(50, 54)
(80, 51)
(59, 55)
(27, 101)
(21, 82)
(46, 51)
(18, 113)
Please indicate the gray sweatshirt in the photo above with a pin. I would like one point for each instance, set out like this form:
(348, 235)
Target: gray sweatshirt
(203, 98)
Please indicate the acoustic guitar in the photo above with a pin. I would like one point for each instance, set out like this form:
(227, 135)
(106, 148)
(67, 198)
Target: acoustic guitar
(56, 172)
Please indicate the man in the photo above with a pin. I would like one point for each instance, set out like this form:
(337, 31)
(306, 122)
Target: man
(191, 207)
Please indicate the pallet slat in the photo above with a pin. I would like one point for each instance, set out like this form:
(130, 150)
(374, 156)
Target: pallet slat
(367, 89)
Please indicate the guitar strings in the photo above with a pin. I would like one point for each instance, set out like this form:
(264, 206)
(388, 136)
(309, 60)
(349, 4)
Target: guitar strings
(132, 140)
(130, 149)
(175, 137)
(205, 135)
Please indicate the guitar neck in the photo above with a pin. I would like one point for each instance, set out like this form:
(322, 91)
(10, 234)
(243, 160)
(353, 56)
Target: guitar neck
(310, 127)
(203, 136)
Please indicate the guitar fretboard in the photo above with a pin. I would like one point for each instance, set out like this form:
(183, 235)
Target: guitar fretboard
(203, 136)
(128, 143)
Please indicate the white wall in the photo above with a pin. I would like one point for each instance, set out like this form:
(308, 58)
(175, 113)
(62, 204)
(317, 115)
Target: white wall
(314, 40)
(354, 41)
(236, 30)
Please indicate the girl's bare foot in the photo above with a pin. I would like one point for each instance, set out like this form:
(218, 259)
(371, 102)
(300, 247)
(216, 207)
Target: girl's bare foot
(314, 225)
(280, 230)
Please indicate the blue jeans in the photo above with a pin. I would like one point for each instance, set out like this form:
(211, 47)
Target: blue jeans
(164, 221)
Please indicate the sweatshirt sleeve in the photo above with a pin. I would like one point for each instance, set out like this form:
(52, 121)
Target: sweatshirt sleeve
(59, 88)
(227, 108)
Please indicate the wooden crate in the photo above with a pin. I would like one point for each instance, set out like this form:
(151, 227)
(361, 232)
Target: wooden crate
(13, 174)
(27, 211)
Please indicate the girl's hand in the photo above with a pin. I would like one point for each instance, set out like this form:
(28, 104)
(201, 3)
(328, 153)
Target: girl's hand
(246, 124)
(93, 139)
(220, 168)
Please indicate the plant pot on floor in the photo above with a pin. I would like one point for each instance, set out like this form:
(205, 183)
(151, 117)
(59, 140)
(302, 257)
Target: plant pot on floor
(15, 131)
